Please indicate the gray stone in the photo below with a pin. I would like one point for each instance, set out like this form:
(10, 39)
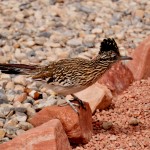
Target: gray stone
(5, 109)
(21, 116)
(30, 112)
(74, 42)
(25, 125)
(3, 97)
(21, 109)
(2, 121)
(45, 34)
(11, 123)
(11, 132)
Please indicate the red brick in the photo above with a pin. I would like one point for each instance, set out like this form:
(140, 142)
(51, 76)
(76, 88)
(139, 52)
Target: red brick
(117, 78)
(140, 65)
(98, 96)
(49, 135)
(77, 127)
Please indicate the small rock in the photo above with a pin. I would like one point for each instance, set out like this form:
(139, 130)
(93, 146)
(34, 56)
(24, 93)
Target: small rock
(2, 121)
(113, 138)
(97, 31)
(19, 88)
(134, 122)
(30, 112)
(45, 34)
(11, 95)
(5, 109)
(5, 76)
(2, 101)
(25, 126)
(107, 125)
(139, 13)
(20, 80)
(3, 140)
(17, 104)
(20, 97)
(2, 95)
(11, 123)
(20, 56)
(29, 43)
(11, 132)
(34, 94)
(21, 116)
(19, 132)
(2, 133)
(89, 44)
(74, 42)
(10, 86)
(21, 109)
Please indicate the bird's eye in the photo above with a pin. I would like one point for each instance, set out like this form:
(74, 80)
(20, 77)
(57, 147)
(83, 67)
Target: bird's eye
(113, 56)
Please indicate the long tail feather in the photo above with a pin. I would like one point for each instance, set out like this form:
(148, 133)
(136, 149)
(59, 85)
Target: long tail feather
(18, 69)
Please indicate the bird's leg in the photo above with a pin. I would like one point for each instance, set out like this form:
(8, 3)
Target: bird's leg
(69, 103)
(81, 103)
(72, 106)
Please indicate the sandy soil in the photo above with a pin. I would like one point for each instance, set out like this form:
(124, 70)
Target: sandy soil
(130, 118)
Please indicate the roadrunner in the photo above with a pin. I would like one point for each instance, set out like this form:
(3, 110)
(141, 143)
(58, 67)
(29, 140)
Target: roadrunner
(68, 76)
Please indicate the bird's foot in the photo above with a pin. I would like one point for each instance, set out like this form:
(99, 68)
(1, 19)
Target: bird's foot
(81, 103)
(67, 102)
(73, 106)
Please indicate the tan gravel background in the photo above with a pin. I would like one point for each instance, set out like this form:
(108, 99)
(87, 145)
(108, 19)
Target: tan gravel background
(39, 31)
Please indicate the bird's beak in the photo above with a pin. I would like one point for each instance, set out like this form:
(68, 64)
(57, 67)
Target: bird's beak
(125, 58)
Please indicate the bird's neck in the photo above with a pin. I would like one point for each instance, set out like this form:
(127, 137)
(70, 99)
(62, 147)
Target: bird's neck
(100, 63)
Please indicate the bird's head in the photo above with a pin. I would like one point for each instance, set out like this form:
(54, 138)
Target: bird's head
(109, 51)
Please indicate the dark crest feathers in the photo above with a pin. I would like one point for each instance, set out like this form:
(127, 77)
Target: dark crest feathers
(109, 45)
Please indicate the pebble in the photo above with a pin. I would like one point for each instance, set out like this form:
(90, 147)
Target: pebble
(107, 125)
(18, 55)
(11, 123)
(11, 132)
(2, 133)
(4, 110)
(2, 121)
(19, 88)
(133, 121)
(29, 43)
(20, 80)
(45, 34)
(10, 85)
(97, 31)
(19, 131)
(25, 125)
(3, 96)
(113, 138)
(30, 112)
(74, 42)
(11, 95)
(21, 116)
(20, 109)
(20, 97)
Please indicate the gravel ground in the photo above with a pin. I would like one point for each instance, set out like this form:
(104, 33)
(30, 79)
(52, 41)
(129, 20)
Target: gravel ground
(126, 124)
(39, 31)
